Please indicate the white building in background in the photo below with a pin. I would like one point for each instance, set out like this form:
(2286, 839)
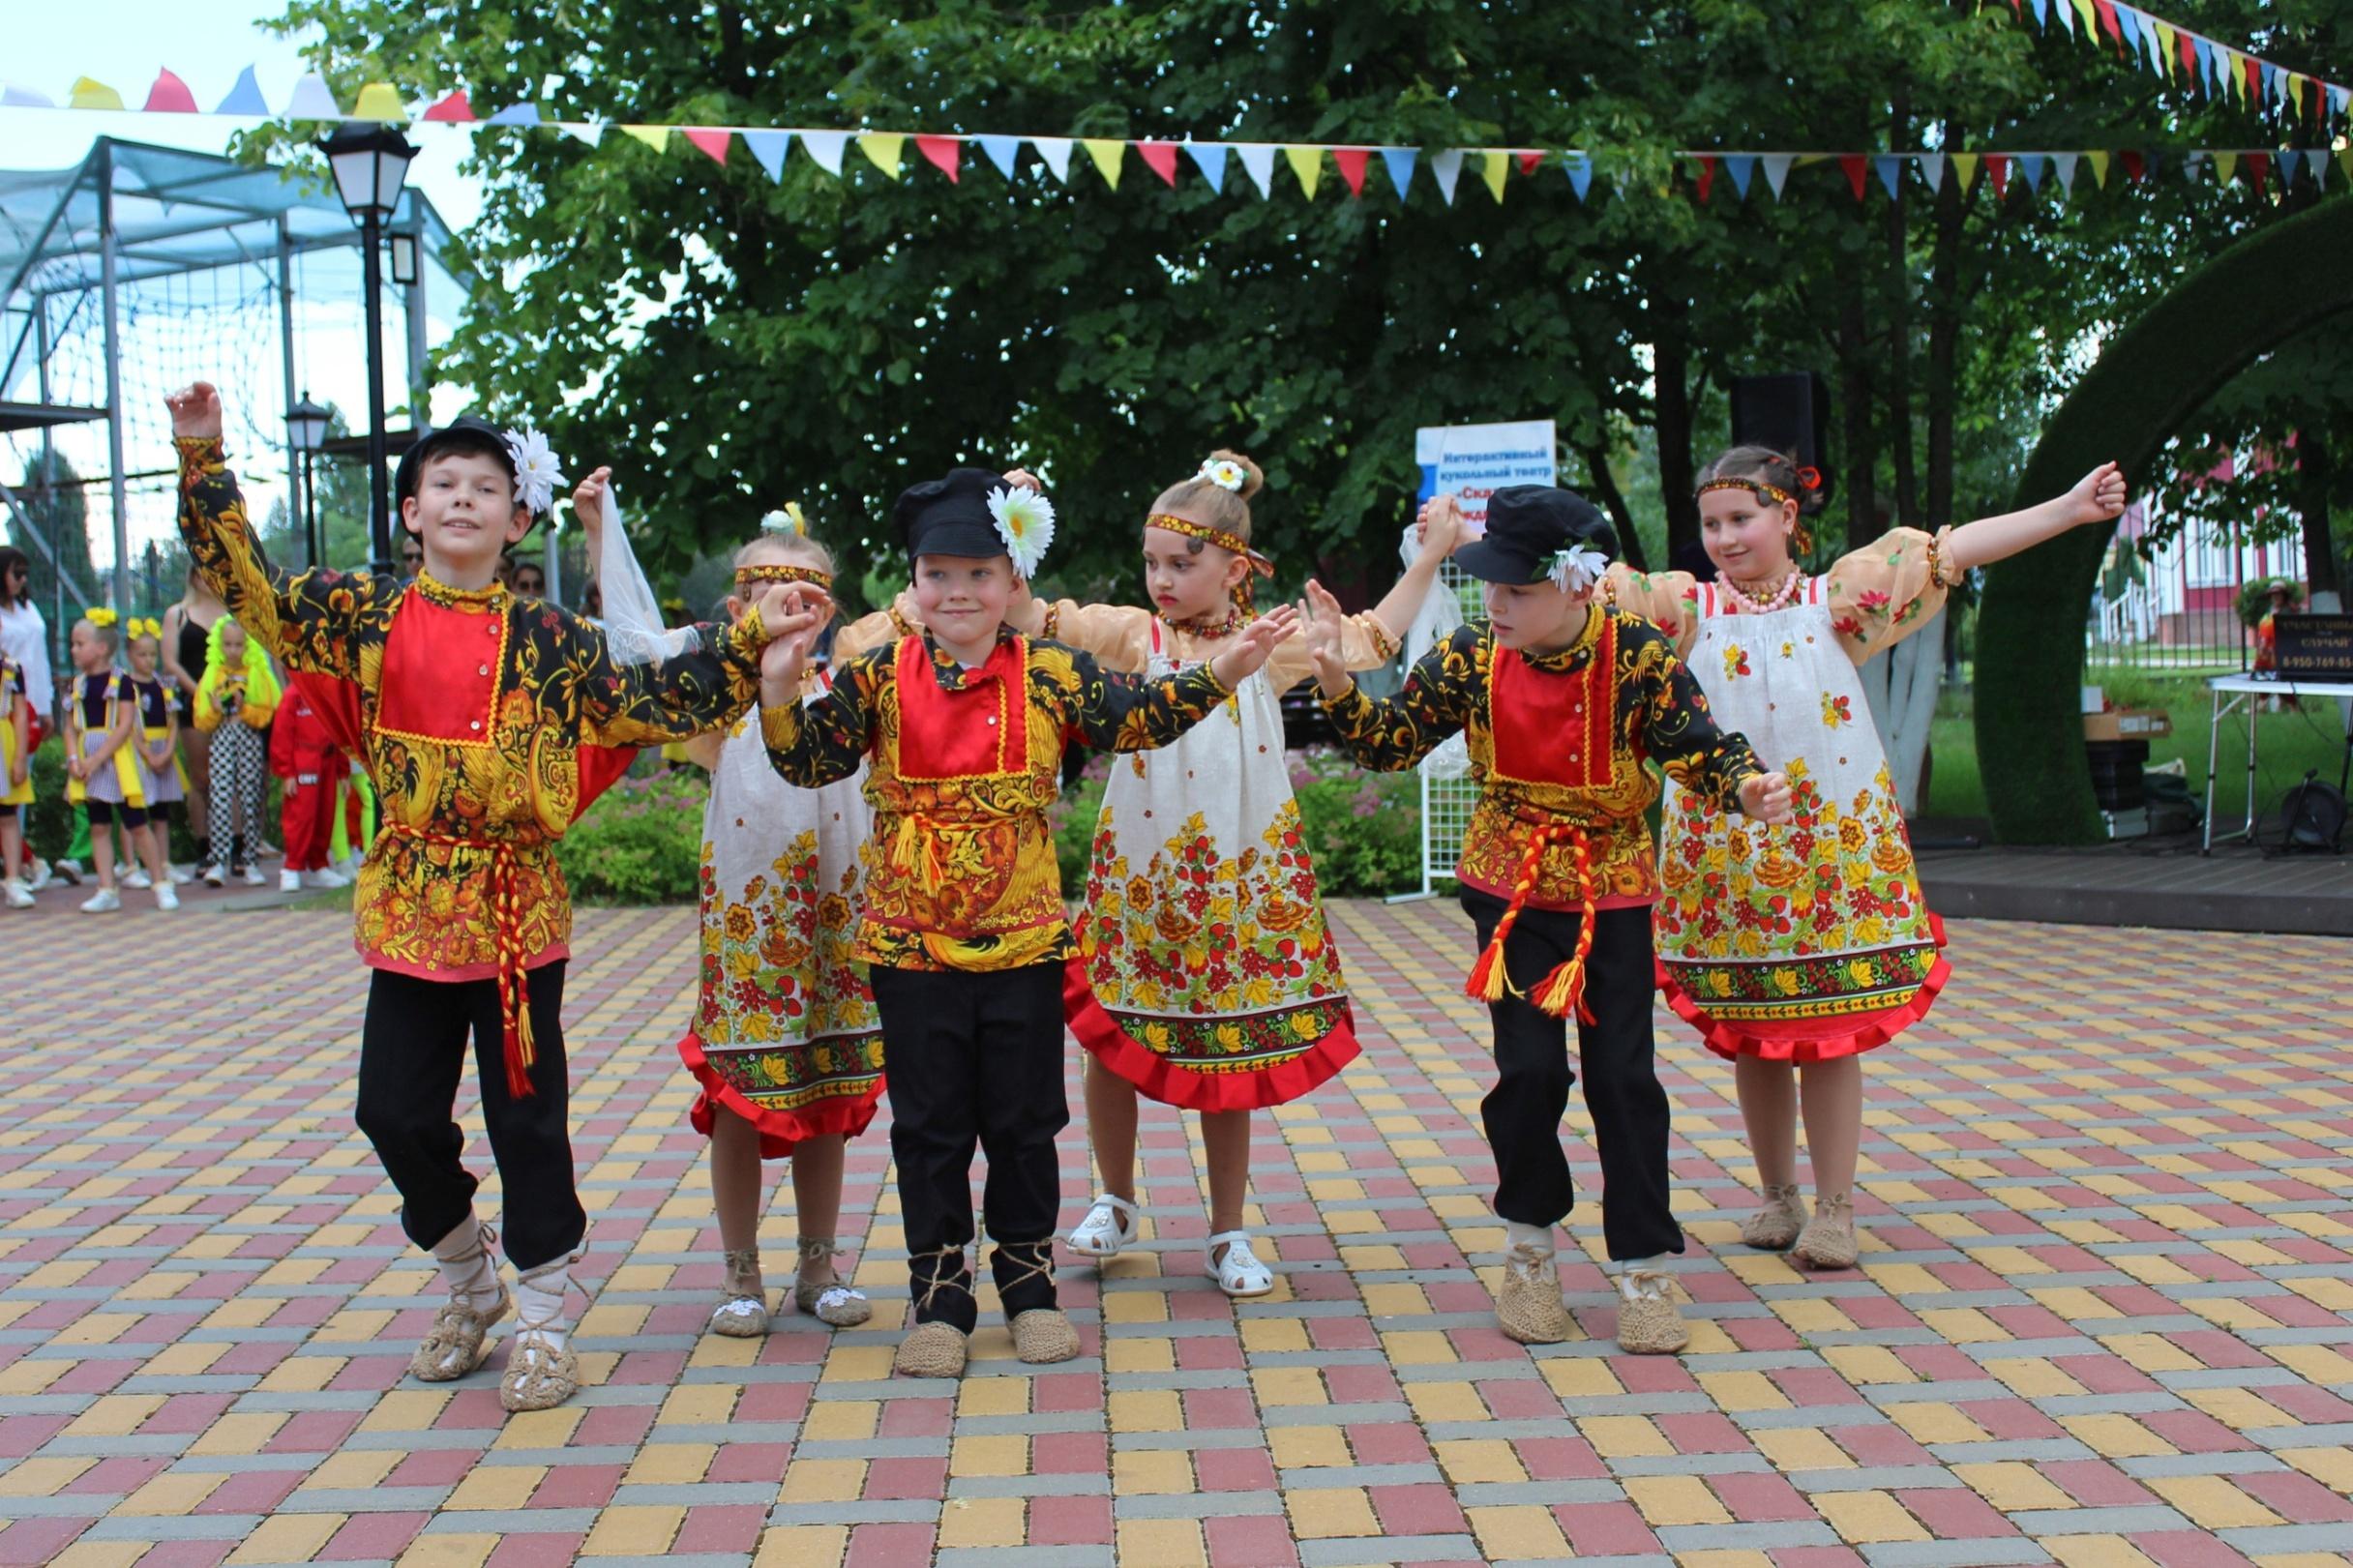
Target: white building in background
(2183, 595)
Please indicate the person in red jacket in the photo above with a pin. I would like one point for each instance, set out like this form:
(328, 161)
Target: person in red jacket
(309, 764)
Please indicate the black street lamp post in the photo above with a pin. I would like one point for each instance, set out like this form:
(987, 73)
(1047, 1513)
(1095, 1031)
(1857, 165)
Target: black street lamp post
(307, 425)
(370, 165)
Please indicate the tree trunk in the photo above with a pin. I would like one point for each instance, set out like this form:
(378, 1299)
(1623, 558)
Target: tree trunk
(1899, 333)
(2315, 477)
(1860, 458)
(1604, 487)
(1944, 345)
(1671, 422)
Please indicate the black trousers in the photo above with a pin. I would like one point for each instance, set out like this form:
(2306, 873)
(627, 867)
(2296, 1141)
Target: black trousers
(1615, 1056)
(412, 1052)
(975, 1059)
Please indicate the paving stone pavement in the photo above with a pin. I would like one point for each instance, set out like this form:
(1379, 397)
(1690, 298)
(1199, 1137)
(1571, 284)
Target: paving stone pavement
(2104, 1315)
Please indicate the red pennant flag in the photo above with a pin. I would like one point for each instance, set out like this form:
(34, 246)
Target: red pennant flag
(1530, 162)
(712, 144)
(1351, 162)
(169, 95)
(1160, 157)
(943, 153)
(2189, 51)
(2134, 166)
(1858, 169)
(2256, 164)
(1997, 165)
(1706, 178)
(455, 110)
(2254, 79)
(2108, 20)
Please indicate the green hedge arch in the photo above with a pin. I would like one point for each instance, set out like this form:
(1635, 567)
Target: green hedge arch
(2252, 298)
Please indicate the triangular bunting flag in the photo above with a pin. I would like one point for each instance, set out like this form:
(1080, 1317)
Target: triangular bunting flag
(2030, 164)
(2225, 168)
(2107, 18)
(313, 101)
(380, 101)
(1056, 152)
(1107, 154)
(882, 149)
(2066, 18)
(1743, 167)
(93, 95)
(169, 95)
(455, 108)
(1965, 165)
(1006, 152)
(2100, 168)
(1580, 168)
(2286, 162)
(1307, 163)
(1776, 171)
(2063, 164)
(768, 149)
(2258, 164)
(2042, 18)
(2251, 81)
(1530, 161)
(1208, 157)
(711, 143)
(827, 148)
(656, 137)
(591, 132)
(943, 153)
(1160, 157)
(2127, 23)
(1351, 162)
(2316, 164)
(1997, 169)
(1707, 177)
(2134, 167)
(1498, 165)
(1933, 171)
(15, 97)
(513, 114)
(1858, 170)
(1446, 167)
(245, 96)
(1890, 171)
(2344, 161)
(1400, 162)
(1258, 161)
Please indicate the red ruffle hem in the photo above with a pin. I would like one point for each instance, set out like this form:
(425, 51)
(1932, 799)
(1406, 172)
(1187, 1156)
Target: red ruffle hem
(1156, 1078)
(1801, 1041)
(780, 1131)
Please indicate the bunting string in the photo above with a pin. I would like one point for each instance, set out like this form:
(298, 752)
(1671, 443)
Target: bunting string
(2190, 59)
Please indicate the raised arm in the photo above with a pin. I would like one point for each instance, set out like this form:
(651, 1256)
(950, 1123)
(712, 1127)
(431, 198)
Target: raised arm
(673, 699)
(2097, 497)
(1393, 733)
(813, 744)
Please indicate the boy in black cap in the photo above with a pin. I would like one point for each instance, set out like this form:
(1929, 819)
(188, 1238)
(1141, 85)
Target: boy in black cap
(962, 921)
(1561, 702)
(470, 714)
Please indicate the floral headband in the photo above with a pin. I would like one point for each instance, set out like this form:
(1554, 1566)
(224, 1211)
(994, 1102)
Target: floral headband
(1025, 522)
(1207, 535)
(747, 575)
(536, 475)
(1810, 479)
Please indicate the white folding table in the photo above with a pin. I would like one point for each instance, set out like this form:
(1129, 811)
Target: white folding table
(2238, 692)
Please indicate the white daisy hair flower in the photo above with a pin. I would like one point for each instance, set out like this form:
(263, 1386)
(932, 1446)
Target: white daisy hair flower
(537, 478)
(1224, 473)
(1024, 522)
(1578, 567)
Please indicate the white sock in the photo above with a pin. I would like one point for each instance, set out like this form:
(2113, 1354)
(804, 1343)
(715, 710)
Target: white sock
(1656, 1263)
(467, 1267)
(539, 1299)
(1538, 1236)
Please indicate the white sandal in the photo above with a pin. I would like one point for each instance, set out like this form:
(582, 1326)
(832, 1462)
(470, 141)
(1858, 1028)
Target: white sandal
(1238, 1272)
(1109, 1226)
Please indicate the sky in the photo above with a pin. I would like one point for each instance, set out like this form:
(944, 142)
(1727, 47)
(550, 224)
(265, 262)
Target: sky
(124, 44)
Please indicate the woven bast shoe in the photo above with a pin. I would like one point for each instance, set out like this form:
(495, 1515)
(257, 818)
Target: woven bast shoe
(1530, 1309)
(742, 1312)
(1829, 1240)
(932, 1350)
(1778, 1220)
(1043, 1334)
(1649, 1322)
(540, 1373)
(460, 1340)
(822, 1293)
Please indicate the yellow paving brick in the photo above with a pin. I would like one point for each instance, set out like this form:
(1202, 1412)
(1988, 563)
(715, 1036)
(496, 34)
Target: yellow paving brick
(1289, 1385)
(1517, 1534)
(1304, 1447)
(1269, 1336)
(1626, 1436)
(1723, 1559)
(2212, 1503)
(824, 1480)
(996, 1454)
(703, 1404)
(2012, 1487)
(1742, 1391)
(993, 1395)
(114, 1415)
(450, 1549)
(1145, 1409)
(856, 1364)
(1676, 1500)
(1419, 1349)
(1467, 1460)
(1446, 1401)
(1161, 1543)
(39, 1477)
(495, 1486)
(540, 1429)
(170, 1495)
(669, 1464)
(406, 1409)
(841, 1421)
(287, 1538)
(1862, 1517)
(1135, 1307)
(2033, 1377)
(1868, 1364)
(1578, 1377)
(634, 1531)
(2329, 1467)
(303, 1374)
(970, 1522)
(100, 1555)
(1932, 1420)
(30, 1376)
(1142, 1471)
(2097, 1551)
(2239, 1408)
(1322, 1514)
(1145, 1354)
(2116, 1436)
(1794, 1449)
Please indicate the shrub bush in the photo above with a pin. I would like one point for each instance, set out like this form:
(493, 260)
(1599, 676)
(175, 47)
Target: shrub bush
(641, 842)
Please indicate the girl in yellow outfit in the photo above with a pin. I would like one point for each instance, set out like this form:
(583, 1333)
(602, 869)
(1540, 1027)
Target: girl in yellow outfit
(15, 779)
(101, 711)
(234, 701)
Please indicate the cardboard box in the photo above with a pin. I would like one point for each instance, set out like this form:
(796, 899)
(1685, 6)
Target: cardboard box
(2126, 723)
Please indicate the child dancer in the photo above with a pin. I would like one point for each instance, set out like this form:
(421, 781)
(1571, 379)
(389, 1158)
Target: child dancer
(962, 923)
(157, 745)
(473, 712)
(1561, 703)
(234, 703)
(15, 780)
(1796, 949)
(1205, 976)
(310, 767)
(102, 762)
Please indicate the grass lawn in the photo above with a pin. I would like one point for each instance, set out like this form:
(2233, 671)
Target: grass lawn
(2293, 740)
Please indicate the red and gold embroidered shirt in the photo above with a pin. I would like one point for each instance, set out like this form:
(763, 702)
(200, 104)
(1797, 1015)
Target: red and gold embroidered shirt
(959, 867)
(472, 708)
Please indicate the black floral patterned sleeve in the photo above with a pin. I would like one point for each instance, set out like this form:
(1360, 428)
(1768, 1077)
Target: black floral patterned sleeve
(1440, 693)
(813, 744)
(1677, 728)
(316, 620)
(1123, 713)
(671, 698)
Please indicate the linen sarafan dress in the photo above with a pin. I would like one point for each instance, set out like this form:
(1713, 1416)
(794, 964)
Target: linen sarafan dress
(785, 1033)
(1205, 974)
(1808, 940)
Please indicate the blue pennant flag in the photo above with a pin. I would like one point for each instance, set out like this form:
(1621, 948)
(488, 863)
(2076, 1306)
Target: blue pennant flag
(1743, 167)
(1890, 170)
(244, 98)
(2128, 23)
(2031, 167)
(520, 114)
(768, 149)
(1580, 169)
(1006, 152)
(1210, 156)
(1400, 161)
(2041, 11)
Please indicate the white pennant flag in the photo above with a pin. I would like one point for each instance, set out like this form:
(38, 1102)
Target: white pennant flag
(1776, 171)
(18, 97)
(1055, 151)
(2064, 163)
(313, 100)
(1933, 171)
(1258, 161)
(1446, 167)
(591, 131)
(826, 147)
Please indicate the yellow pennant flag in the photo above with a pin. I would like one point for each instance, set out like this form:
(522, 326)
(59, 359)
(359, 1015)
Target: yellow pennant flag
(2100, 168)
(93, 95)
(1497, 162)
(882, 149)
(2091, 19)
(1965, 168)
(1107, 154)
(656, 137)
(2167, 50)
(2225, 168)
(2344, 161)
(1307, 163)
(380, 101)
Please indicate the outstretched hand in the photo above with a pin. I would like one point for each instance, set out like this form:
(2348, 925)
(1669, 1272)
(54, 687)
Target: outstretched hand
(196, 411)
(793, 615)
(1438, 524)
(2100, 496)
(1766, 796)
(588, 504)
(1254, 644)
(1319, 628)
